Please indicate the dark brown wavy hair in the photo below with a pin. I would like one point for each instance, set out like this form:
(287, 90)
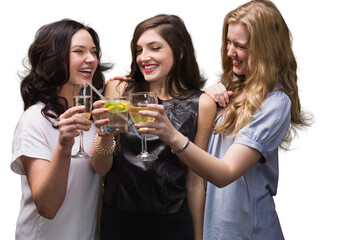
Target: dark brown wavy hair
(184, 78)
(47, 67)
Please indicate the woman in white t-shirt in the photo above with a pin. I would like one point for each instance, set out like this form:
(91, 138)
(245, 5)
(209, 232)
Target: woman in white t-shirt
(59, 193)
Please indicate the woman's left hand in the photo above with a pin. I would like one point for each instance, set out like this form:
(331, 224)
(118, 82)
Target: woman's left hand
(96, 113)
(219, 94)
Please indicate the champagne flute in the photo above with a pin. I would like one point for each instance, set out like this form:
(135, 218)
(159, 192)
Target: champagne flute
(139, 102)
(82, 95)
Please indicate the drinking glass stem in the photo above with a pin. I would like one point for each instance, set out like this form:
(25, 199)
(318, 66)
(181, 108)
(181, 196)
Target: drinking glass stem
(143, 143)
(81, 142)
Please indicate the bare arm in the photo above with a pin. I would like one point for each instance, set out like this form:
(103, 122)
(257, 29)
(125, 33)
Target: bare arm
(194, 183)
(102, 164)
(237, 160)
(48, 179)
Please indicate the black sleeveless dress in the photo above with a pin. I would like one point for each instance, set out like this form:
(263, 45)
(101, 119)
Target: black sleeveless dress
(147, 200)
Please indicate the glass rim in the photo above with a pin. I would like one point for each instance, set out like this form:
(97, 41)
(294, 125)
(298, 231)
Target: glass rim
(143, 93)
(115, 98)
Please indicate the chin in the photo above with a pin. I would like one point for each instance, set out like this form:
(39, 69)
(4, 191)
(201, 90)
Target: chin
(237, 71)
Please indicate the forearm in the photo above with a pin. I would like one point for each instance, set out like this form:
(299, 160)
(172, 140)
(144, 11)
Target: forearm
(237, 160)
(202, 163)
(195, 155)
(102, 163)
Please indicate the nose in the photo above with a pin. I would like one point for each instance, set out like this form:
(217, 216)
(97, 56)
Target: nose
(231, 51)
(144, 56)
(90, 57)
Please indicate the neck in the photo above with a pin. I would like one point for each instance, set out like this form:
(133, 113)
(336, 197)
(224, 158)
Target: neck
(160, 90)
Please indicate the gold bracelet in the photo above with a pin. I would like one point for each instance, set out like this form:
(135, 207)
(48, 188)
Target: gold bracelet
(102, 151)
(183, 147)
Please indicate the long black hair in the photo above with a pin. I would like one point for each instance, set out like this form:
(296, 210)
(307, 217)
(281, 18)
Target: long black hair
(48, 67)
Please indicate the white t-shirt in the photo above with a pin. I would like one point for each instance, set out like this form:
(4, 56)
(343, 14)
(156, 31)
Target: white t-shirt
(77, 217)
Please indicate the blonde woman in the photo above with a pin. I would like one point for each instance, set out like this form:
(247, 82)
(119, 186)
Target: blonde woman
(259, 71)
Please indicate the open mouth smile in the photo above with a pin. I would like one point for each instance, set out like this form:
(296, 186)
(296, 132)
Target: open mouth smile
(237, 62)
(87, 72)
(150, 67)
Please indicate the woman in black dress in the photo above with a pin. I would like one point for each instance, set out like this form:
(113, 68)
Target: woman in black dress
(161, 199)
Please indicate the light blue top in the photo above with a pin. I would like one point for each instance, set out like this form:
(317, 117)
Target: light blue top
(245, 209)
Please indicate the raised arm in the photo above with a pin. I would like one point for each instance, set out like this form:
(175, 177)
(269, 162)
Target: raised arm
(237, 160)
(102, 161)
(48, 179)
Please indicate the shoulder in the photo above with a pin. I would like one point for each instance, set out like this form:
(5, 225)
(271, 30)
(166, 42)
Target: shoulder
(33, 113)
(269, 124)
(278, 95)
(206, 103)
(115, 88)
(207, 110)
(277, 101)
(33, 123)
(31, 137)
(32, 120)
(37, 107)
(275, 110)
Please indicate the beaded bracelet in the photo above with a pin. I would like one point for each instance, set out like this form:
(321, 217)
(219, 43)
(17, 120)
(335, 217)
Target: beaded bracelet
(101, 150)
(183, 147)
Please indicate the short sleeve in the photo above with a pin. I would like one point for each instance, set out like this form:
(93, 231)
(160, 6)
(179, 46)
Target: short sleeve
(30, 139)
(269, 125)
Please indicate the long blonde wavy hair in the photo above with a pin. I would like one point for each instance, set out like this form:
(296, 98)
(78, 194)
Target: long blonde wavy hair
(270, 61)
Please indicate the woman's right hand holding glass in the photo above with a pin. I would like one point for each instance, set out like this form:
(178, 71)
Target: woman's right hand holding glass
(70, 124)
(162, 127)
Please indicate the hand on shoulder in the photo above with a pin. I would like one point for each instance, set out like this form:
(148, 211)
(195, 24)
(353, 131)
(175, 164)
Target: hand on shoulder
(115, 87)
(219, 94)
(119, 78)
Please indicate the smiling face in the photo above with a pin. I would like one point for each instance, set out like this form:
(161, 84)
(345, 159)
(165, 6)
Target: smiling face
(237, 48)
(154, 56)
(82, 62)
(83, 59)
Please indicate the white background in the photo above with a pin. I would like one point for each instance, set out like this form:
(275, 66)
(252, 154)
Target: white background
(318, 194)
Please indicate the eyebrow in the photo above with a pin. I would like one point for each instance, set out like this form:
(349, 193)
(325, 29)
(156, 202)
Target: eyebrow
(241, 44)
(82, 46)
(151, 43)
